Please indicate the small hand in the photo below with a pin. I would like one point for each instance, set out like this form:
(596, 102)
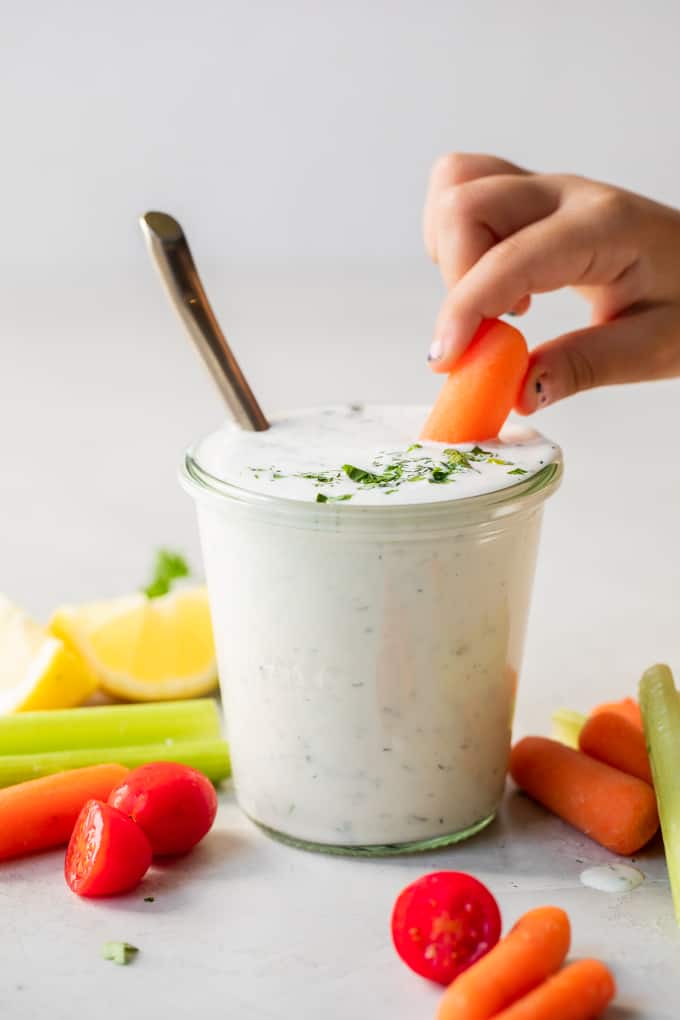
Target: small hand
(500, 233)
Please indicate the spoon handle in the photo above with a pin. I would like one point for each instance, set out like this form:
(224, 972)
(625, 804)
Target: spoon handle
(170, 251)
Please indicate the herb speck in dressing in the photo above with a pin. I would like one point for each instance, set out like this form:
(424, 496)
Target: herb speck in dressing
(389, 471)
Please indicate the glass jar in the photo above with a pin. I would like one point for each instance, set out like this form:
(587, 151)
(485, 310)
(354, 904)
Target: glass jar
(368, 657)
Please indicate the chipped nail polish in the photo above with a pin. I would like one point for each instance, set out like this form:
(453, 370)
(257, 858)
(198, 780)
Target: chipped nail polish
(540, 386)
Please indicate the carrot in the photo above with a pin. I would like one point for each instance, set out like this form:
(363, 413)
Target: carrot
(616, 810)
(483, 387)
(611, 737)
(579, 992)
(41, 813)
(627, 707)
(530, 952)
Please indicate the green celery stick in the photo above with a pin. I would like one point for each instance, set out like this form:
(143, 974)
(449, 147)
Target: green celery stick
(661, 717)
(109, 726)
(208, 756)
(566, 726)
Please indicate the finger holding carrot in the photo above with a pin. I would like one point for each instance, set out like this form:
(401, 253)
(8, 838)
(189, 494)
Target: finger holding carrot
(501, 233)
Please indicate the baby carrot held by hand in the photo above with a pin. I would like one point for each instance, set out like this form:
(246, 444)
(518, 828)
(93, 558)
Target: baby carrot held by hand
(579, 992)
(41, 813)
(482, 388)
(612, 738)
(615, 809)
(532, 951)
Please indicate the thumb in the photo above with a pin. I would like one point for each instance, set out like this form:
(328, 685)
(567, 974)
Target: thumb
(636, 347)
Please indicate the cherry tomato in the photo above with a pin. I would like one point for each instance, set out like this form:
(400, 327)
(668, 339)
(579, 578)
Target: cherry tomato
(174, 804)
(444, 922)
(108, 853)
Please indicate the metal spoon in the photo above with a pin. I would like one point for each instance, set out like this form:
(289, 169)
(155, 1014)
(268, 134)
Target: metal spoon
(170, 251)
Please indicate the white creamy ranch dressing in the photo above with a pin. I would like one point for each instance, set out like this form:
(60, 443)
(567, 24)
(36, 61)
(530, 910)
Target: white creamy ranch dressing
(320, 441)
(612, 878)
(368, 662)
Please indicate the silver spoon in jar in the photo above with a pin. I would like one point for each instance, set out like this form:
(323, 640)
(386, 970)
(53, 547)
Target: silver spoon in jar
(170, 251)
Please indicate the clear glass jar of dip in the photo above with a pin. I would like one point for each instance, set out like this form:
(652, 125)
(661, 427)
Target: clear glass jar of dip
(368, 657)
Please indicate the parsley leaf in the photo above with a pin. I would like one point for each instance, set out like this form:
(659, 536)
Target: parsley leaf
(167, 568)
(357, 474)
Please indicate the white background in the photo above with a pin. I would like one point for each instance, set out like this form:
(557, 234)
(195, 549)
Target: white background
(293, 140)
(306, 127)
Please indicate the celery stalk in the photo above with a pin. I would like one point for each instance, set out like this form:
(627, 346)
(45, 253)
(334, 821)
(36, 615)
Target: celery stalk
(661, 717)
(566, 726)
(109, 726)
(208, 756)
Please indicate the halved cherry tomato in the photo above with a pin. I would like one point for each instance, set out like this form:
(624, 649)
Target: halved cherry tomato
(175, 805)
(108, 853)
(443, 923)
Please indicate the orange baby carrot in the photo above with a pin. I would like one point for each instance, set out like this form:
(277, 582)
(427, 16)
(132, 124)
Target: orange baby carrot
(627, 707)
(483, 387)
(41, 813)
(579, 992)
(611, 737)
(530, 952)
(616, 810)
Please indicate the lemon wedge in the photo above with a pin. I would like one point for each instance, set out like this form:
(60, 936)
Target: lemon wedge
(37, 670)
(143, 649)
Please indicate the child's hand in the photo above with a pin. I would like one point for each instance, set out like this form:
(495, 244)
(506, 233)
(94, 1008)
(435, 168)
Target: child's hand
(500, 234)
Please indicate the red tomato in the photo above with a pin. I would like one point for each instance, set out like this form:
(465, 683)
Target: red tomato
(107, 854)
(443, 923)
(173, 804)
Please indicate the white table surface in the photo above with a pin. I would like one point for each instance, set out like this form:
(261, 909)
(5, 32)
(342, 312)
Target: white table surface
(98, 396)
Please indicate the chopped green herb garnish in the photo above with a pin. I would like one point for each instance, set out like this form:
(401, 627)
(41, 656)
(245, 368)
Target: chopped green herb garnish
(440, 476)
(168, 567)
(392, 473)
(121, 953)
(457, 458)
(389, 470)
(321, 497)
(359, 475)
(322, 477)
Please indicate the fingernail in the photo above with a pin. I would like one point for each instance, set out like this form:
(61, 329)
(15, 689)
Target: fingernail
(436, 350)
